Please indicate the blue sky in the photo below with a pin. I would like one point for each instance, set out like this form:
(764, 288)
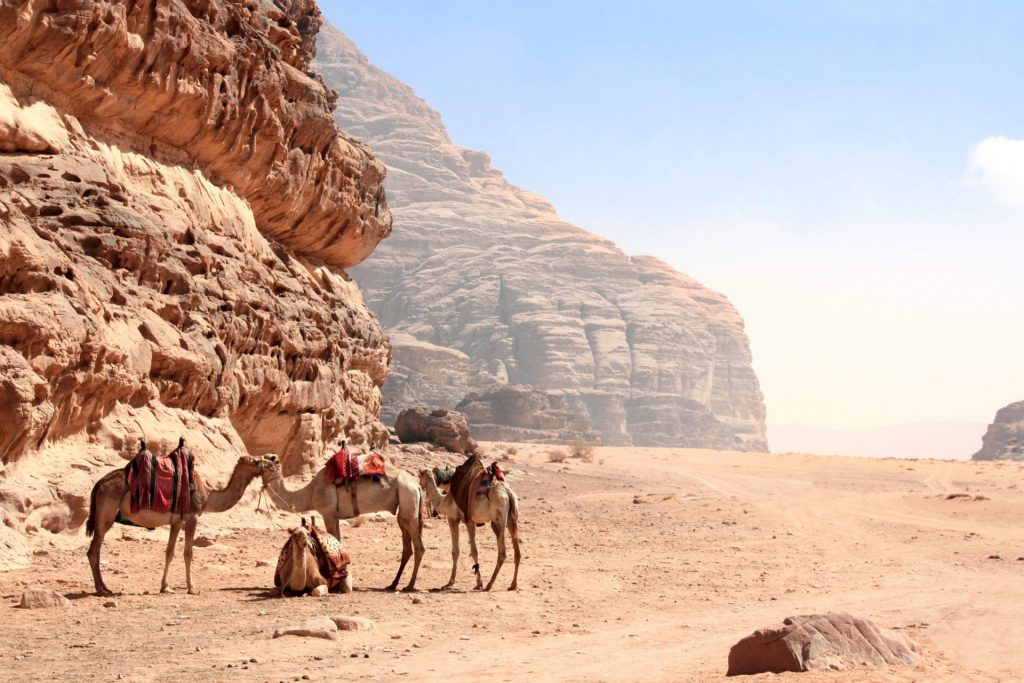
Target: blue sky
(813, 161)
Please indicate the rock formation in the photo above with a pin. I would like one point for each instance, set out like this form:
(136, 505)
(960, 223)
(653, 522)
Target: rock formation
(828, 642)
(487, 277)
(1004, 439)
(446, 428)
(524, 414)
(178, 205)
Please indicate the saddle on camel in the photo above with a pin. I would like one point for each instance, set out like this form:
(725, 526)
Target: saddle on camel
(345, 466)
(331, 561)
(469, 480)
(162, 483)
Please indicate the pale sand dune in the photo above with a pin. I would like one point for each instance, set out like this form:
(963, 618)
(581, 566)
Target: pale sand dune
(717, 545)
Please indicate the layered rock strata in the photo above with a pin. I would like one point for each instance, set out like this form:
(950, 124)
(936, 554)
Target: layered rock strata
(524, 414)
(518, 296)
(178, 205)
(1004, 439)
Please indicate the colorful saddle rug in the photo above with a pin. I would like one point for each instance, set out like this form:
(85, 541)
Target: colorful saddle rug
(346, 466)
(162, 483)
(331, 561)
(491, 475)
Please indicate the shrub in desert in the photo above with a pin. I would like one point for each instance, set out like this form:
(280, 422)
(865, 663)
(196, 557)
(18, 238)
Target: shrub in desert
(511, 450)
(583, 450)
(558, 455)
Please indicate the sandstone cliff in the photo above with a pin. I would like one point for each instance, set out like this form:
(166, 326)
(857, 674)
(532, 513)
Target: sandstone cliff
(177, 207)
(515, 295)
(1004, 439)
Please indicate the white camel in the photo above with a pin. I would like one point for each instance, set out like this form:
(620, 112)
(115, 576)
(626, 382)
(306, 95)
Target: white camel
(399, 495)
(499, 506)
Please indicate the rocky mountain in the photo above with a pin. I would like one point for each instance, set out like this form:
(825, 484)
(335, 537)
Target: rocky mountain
(1004, 439)
(489, 287)
(177, 207)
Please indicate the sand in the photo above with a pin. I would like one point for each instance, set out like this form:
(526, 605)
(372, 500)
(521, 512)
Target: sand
(645, 565)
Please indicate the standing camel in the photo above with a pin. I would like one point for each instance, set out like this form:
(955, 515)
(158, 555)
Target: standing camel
(111, 494)
(401, 496)
(499, 506)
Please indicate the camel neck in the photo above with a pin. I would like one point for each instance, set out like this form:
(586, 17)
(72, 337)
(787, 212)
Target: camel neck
(300, 499)
(226, 498)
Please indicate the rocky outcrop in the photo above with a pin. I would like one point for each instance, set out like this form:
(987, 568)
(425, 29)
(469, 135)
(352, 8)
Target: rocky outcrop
(1004, 439)
(446, 428)
(524, 414)
(824, 642)
(178, 205)
(483, 268)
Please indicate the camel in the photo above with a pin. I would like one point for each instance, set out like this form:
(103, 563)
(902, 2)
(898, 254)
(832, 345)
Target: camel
(298, 570)
(111, 494)
(500, 507)
(401, 496)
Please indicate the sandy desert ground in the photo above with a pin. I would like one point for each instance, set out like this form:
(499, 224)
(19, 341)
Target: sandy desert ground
(645, 565)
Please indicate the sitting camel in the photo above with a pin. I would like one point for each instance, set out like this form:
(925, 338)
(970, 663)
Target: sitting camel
(499, 506)
(298, 569)
(111, 495)
(399, 494)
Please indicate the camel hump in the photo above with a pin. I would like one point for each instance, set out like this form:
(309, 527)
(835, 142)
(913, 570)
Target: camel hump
(465, 482)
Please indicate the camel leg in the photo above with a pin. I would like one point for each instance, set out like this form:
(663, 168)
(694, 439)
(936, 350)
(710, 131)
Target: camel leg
(471, 530)
(94, 557)
(333, 525)
(169, 555)
(453, 526)
(416, 535)
(190, 535)
(406, 554)
(499, 535)
(516, 555)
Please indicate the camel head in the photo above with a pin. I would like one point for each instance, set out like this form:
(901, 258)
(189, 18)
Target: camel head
(255, 464)
(271, 468)
(426, 476)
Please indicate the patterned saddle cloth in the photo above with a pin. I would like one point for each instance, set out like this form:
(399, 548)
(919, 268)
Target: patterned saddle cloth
(162, 483)
(347, 466)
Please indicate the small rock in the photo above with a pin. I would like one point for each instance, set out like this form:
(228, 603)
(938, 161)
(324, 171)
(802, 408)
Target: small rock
(204, 541)
(353, 623)
(265, 563)
(317, 627)
(418, 601)
(995, 557)
(40, 598)
(110, 603)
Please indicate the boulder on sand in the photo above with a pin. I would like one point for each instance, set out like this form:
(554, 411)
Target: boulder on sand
(832, 641)
(446, 428)
(39, 598)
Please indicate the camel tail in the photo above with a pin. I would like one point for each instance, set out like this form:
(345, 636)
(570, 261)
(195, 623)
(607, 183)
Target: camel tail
(90, 523)
(423, 510)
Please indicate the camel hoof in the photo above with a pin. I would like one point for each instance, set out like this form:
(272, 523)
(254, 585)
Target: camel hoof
(194, 591)
(513, 587)
(410, 589)
(104, 592)
(392, 588)
(165, 589)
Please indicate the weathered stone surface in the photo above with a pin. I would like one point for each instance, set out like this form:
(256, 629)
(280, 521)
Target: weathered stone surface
(315, 627)
(446, 428)
(524, 414)
(177, 207)
(131, 279)
(353, 623)
(1004, 439)
(40, 598)
(479, 266)
(832, 641)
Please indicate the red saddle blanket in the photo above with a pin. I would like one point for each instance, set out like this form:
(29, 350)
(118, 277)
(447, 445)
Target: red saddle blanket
(162, 483)
(345, 465)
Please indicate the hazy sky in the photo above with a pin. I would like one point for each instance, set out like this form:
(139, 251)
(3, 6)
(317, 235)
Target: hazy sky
(849, 174)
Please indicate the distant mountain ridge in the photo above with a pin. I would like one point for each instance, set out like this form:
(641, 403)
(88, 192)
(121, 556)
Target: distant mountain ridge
(491, 288)
(1004, 438)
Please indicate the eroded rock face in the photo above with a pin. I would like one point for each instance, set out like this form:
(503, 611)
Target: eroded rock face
(177, 207)
(479, 266)
(524, 414)
(833, 641)
(1004, 439)
(446, 428)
